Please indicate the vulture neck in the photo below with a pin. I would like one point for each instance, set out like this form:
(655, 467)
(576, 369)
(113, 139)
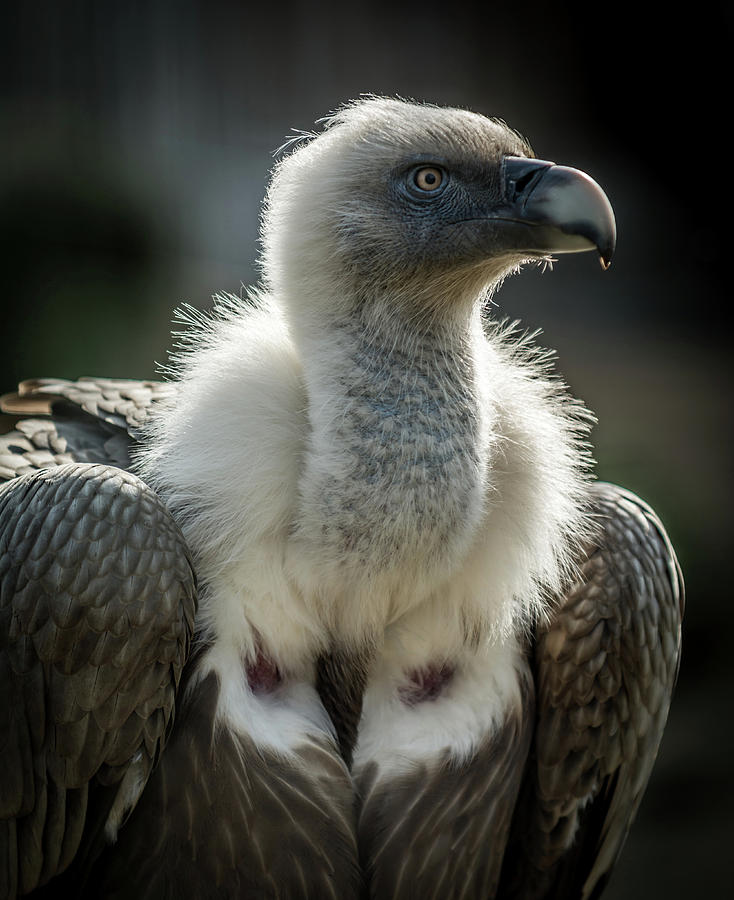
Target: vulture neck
(395, 468)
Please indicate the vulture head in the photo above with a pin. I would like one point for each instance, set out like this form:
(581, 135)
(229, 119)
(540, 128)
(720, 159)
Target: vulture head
(426, 205)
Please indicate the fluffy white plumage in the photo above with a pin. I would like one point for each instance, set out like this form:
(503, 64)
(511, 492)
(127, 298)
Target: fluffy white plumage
(389, 466)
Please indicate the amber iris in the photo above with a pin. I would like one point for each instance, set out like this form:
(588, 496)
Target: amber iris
(428, 178)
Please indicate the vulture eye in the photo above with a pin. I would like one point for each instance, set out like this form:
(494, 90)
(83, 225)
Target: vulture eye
(428, 178)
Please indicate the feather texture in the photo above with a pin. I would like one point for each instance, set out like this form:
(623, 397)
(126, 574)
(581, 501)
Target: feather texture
(97, 601)
(384, 494)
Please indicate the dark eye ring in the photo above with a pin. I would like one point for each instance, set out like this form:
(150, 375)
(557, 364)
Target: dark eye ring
(428, 179)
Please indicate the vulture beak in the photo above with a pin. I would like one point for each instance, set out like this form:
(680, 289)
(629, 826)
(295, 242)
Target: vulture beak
(553, 209)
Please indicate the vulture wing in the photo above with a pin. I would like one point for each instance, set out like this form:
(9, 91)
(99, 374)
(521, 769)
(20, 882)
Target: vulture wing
(439, 830)
(224, 817)
(605, 668)
(89, 420)
(97, 602)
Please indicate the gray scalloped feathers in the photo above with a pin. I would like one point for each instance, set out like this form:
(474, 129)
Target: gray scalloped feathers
(96, 615)
(89, 420)
(605, 669)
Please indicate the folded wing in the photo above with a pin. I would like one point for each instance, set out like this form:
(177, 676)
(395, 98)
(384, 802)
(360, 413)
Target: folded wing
(97, 604)
(605, 668)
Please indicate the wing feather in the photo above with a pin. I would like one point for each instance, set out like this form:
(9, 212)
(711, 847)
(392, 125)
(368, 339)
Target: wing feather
(91, 651)
(93, 420)
(605, 668)
(223, 817)
(439, 830)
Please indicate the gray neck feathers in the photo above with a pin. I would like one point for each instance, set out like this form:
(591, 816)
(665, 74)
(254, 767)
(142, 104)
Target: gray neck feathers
(395, 468)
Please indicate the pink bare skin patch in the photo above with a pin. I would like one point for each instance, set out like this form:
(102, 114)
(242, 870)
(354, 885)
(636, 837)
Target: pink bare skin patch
(425, 684)
(263, 675)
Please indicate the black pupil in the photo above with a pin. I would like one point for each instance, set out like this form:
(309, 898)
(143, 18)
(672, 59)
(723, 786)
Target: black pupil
(429, 177)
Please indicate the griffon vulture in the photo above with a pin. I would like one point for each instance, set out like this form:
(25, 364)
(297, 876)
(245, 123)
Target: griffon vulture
(423, 653)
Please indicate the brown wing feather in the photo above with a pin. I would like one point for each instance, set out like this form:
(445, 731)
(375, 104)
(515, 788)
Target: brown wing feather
(221, 817)
(341, 676)
(605, 670)
(97, 599)
(122, 402)
(439, 831)
(90, 420)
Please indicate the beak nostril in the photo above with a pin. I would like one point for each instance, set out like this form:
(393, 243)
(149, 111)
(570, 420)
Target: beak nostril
(524, 181)
(521, 174)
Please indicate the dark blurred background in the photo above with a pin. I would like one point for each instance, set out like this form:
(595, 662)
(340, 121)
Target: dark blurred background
(136, 141)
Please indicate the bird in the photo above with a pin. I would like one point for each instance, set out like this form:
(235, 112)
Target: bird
(337, 608)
